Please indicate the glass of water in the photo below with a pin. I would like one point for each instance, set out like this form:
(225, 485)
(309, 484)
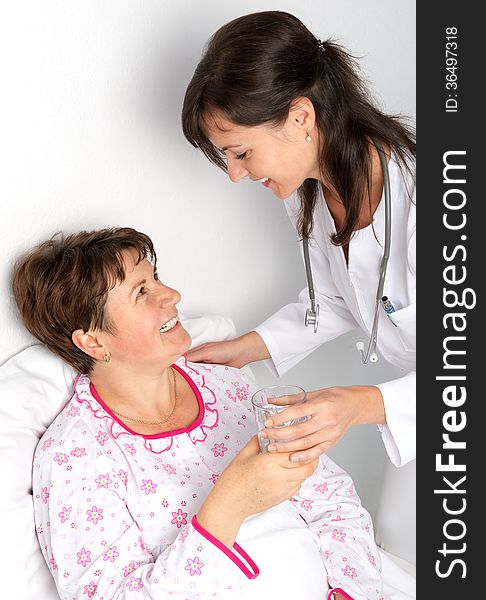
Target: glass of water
(274, 399)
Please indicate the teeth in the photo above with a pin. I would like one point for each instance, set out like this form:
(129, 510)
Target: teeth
(169, 325)
(263, 180)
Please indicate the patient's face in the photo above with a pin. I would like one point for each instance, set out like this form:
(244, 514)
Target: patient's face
(143, 312)
(280, 154)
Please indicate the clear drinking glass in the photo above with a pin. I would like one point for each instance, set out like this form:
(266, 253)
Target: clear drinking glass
(264, 408)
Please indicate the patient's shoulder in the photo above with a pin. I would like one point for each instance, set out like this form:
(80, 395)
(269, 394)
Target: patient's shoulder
(68, 428)
(218, 375)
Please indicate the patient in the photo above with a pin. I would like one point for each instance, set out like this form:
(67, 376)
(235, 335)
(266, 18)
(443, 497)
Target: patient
(150, 483)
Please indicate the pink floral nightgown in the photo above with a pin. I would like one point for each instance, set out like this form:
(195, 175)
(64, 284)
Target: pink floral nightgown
(115, 509)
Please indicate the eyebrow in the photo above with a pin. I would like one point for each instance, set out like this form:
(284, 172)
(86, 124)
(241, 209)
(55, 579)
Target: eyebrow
(228, 147)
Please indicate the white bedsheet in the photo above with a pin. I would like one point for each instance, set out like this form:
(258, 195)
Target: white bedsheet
(289, 576)
(398, 576)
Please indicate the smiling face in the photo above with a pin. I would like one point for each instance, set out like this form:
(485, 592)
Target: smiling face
(279, 158)
(142, 313)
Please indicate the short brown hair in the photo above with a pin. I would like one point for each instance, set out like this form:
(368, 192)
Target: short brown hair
(62, 285)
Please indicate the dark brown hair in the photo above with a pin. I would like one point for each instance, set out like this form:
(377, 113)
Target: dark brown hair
(62, 285)
(252, 70)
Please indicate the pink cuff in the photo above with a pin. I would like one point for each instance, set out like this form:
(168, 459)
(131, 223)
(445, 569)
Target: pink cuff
(232, 554)
(338, 591)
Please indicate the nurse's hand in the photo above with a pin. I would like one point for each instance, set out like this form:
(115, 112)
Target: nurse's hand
(234, 353)
(333, 411)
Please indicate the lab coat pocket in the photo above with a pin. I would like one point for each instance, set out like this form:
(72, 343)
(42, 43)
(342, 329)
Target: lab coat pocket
(405, 321)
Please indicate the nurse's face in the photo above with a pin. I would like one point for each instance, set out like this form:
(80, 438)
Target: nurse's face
(279, 158)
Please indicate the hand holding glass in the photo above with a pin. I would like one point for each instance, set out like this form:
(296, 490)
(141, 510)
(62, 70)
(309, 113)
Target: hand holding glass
(274, 399)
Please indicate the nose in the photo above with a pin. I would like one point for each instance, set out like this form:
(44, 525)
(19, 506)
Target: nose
(168, 296)
(236, 169)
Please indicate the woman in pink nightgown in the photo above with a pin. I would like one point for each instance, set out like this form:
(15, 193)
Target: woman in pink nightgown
(150, 483)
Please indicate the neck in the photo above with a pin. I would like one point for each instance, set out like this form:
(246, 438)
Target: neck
(134, 393)
(336, 205)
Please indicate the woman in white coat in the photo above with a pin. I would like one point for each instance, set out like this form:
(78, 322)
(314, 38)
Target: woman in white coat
(270, 101)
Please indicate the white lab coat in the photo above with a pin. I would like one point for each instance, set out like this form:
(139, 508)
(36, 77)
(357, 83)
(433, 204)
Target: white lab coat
(346, 296)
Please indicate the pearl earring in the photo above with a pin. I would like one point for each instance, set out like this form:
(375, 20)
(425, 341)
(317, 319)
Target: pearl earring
(308, 138)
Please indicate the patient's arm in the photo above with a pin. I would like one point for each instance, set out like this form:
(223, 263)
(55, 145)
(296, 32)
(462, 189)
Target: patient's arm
(92, 542)
(91, 539)
(252, 483)
(329, 504)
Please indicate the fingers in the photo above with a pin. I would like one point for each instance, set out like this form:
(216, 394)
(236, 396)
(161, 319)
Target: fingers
(198, 354)
(301, 443)
(321, 402)
(292, 432)
(283, 460)
(312, 466)
(224, 353)
(286, 400)
(310, 454)
(208, 353)
(304, 471)
(289, 414)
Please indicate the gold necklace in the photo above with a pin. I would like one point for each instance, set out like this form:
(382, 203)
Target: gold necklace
(176, 398)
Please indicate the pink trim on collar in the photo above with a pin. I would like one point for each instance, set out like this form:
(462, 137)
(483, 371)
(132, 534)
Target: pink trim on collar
(164, 434)
(197, 432)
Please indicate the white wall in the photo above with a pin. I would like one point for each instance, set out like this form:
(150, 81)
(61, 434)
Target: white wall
(91, 137)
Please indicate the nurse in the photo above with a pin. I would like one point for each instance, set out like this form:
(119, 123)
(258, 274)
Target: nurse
(271, 102)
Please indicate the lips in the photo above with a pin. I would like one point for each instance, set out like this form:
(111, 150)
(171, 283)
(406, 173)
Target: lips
(169, 325)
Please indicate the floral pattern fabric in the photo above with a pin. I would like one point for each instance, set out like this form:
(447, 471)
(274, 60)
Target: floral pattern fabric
(114, 508)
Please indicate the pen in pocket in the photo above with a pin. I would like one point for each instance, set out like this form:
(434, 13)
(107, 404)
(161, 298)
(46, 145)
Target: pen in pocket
(388, 307)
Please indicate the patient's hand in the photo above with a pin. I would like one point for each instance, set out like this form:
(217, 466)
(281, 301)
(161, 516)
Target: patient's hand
(250, 484)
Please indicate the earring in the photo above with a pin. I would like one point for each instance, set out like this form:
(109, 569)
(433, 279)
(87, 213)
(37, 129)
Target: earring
(308, 138)
(107, 358)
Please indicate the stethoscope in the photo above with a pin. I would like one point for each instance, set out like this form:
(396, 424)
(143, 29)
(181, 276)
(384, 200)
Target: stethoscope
(312, 313)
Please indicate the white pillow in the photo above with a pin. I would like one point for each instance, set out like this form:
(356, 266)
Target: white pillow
(34, 387)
